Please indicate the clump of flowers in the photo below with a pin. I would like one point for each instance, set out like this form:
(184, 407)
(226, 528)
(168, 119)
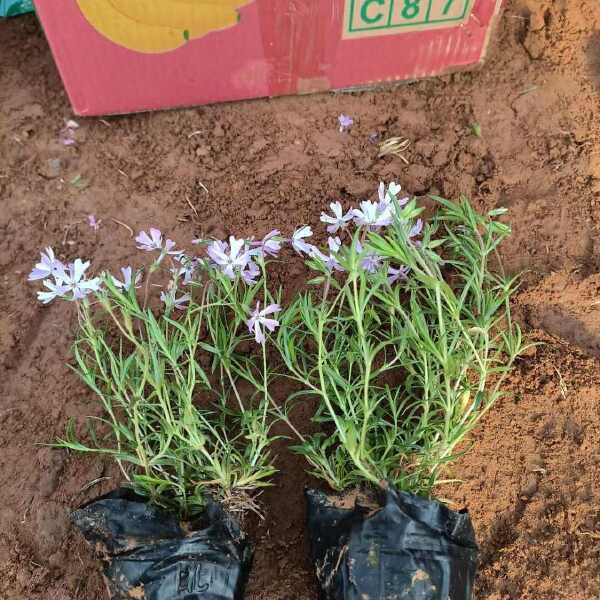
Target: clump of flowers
(62, 281)
(170, 379)
(399, 344)
(406, 343)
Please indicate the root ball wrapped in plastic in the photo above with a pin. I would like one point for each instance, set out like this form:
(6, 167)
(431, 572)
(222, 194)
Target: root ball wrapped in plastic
(148, 555)
(407, 548)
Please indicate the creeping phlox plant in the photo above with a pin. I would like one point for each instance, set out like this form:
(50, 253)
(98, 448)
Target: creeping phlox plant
(186, 402)
(406, 344)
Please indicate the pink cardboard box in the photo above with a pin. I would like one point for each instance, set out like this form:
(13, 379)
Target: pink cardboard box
(120, 56)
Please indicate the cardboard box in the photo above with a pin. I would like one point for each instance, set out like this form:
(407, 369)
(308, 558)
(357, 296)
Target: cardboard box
(12, 8)
(119, 56)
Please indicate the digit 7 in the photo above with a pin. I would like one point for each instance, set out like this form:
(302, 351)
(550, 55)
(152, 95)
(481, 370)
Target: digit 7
(447, 7)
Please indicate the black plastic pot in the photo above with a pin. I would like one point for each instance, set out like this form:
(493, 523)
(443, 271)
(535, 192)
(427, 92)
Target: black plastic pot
(147, 555)
(408, 548)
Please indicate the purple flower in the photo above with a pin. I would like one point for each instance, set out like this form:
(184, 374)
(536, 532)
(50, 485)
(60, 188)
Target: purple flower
(298, 243)
(93, 223)
(230, 258)
(48, 266)
(128, 280)
(258, 319)
(416, 229)
(339, 219)
(216, 249)
(189, 265)
(400, 274)
(250, 273)
(75, 281)
(373, 215)
(270, 245)
(65, 279)
(370, 261)
(67, 133)
(330, 261)
(345, 122)
(171, 301)
(154, 241)
(57, 290)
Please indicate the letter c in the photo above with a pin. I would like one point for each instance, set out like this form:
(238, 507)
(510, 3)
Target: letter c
(365, 15)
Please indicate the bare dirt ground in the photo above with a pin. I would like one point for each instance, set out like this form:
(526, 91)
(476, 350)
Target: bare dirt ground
(531, 478)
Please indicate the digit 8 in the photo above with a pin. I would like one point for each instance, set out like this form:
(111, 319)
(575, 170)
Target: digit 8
(410, 9)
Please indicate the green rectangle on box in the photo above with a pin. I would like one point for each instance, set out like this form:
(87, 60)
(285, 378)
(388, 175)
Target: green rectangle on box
(380, 17)
(12, 8)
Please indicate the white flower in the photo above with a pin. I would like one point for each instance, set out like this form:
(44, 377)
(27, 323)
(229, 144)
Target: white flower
(330, 261)
(259, 319)
(298, 243)
(334, 244)
(270, 245)
(250, 272)
(416, 229)
(149, 242)
(75, 282)
(373, 215)
(61, 280)
(394, 188)
(339, 219)
(48, 265)
(171, 301)
(189, 266)
(386, 199)
(230, 258)
(57, 290)
(128, 280)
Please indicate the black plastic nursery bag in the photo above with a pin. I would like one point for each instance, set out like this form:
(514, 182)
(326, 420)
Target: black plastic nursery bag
(148, 556)
(410, 548)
